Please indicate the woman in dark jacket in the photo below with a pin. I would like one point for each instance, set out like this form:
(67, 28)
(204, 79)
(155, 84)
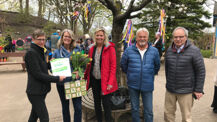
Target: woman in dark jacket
(39, 80)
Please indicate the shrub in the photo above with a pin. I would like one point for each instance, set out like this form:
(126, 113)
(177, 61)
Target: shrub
(206, 53)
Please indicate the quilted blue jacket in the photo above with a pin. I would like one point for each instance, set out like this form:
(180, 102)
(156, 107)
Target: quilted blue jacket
(140, 73)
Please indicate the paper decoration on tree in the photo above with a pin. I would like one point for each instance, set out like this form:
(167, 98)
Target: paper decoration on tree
(162, 25)
(128, 35)
(87, 10)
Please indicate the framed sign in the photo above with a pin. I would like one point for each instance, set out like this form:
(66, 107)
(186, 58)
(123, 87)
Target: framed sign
(61, 67)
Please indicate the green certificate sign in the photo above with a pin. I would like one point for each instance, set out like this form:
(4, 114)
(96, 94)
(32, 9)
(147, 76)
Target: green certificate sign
(61, 67)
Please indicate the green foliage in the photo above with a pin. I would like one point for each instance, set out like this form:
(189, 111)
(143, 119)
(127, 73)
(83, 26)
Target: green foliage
(185, 13)
(49, 28)
(23, 18)
(204, 41)
(3, 42)
(206, 53)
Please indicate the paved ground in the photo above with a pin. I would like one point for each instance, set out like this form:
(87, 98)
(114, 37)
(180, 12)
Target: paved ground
(15, 106)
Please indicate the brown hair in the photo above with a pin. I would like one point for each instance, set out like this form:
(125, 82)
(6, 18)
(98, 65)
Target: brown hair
(37, 33)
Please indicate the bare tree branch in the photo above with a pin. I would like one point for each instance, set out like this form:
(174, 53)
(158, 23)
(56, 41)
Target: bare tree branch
(132, 8)
(103, 2)
(111, 5)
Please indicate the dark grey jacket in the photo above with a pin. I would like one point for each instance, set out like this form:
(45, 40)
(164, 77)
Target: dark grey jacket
(37, 69)
(185, 71)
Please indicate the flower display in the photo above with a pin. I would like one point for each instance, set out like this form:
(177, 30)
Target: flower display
(79, 62)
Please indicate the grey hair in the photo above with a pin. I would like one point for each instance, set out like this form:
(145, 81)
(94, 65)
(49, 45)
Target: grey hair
(60, 41)
(157, 33)
(184, 29)
(142, 29)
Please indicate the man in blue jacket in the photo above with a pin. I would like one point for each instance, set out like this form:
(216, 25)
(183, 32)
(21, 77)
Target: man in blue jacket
(141, 62)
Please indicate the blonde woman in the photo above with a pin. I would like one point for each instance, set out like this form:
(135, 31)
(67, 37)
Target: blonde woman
(66, 46)
(101, 73)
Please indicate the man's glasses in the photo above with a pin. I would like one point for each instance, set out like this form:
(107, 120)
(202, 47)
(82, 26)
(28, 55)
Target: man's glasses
(180, 37)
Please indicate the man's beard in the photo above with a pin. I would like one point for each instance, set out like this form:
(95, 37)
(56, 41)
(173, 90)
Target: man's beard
(142, 43)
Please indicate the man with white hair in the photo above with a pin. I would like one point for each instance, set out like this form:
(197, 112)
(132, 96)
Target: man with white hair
(185, 75)
(141, 62)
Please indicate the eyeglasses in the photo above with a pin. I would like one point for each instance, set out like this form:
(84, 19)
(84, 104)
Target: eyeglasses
(180, 37)
(40, 40)
(67, 37)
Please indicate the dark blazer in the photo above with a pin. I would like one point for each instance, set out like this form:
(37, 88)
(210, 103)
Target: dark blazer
(159, 46)
(37, 70)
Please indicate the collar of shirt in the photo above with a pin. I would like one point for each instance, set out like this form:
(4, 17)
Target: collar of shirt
(180, 48)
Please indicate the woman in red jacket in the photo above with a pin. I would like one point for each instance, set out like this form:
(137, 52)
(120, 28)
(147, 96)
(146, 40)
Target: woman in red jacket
(101, 74)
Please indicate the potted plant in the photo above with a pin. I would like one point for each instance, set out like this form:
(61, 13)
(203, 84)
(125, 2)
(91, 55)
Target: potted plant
(3, 43)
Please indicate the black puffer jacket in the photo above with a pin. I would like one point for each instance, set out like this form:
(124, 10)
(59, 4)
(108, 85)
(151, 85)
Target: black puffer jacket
(185, 71)
(37, 69)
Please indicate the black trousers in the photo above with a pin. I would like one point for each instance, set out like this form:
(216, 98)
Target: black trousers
(98, 97)
(214, 103)
(39, 109)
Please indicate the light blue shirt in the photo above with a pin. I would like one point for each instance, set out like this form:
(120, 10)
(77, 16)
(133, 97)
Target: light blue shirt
(179, 49)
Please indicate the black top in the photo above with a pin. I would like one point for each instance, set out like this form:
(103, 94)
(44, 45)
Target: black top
(37, 70)
(159, 46)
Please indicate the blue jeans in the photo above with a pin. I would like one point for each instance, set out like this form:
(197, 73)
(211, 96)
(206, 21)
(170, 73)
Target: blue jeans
(65, 106)
(147, 104)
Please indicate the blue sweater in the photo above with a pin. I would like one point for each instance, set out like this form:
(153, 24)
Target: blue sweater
(140, 73)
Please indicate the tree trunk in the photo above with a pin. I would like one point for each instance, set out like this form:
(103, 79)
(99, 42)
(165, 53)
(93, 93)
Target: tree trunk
(49, 13)
(117, 29)
(40, 8)
(21, 6)
(27, 8)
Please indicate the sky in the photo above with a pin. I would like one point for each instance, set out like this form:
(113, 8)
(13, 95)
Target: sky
(209, 6)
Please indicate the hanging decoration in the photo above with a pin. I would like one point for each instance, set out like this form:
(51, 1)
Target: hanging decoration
(128, 35)
(87, 9)
(162, 25)
(74, 15)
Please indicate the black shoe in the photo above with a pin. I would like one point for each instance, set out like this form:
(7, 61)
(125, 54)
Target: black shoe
(215, 110)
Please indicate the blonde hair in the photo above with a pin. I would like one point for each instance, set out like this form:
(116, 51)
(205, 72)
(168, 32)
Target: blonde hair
(104, 33)
(60, 41)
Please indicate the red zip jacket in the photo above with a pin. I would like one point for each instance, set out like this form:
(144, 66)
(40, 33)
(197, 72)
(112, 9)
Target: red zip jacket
(108, 69)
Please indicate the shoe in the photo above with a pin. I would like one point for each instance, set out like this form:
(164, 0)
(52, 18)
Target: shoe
(215, 110)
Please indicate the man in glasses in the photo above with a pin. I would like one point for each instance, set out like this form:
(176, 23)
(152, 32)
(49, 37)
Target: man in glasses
(185, 75)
